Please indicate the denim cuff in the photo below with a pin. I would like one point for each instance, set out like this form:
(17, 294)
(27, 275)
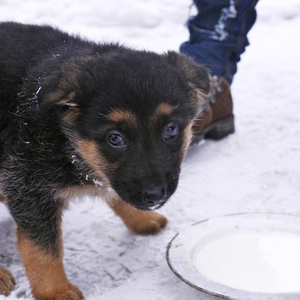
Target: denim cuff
(218, 34)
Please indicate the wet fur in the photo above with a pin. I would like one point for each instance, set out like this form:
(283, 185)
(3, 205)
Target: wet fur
(60, 97)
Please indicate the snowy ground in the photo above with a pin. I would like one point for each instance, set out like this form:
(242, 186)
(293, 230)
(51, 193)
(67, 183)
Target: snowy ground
(255, 170)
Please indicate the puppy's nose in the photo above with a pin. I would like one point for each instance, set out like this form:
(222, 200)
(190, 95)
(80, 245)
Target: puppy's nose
(154, 195)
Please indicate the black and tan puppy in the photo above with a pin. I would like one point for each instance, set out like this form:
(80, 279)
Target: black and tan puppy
(79, 117)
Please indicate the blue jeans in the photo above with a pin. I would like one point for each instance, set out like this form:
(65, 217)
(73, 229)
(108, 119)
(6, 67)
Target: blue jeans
(218, 34)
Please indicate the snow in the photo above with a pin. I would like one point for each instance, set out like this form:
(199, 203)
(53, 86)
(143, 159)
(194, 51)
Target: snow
(257, 169)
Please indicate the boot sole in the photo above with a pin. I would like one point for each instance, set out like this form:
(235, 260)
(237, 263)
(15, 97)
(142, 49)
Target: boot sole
(216, 130)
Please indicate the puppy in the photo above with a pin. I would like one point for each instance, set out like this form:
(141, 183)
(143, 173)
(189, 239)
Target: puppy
(79, 117)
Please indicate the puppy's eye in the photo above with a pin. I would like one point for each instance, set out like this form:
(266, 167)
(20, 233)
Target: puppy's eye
(116, 140)
(171, 132)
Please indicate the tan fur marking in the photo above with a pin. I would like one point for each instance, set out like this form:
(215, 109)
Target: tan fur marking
(77, 191)
(123, 116)
(197, 97)
(163, 109)
(91, 153)
(187, 137)
(2, 195)
(7, 282)
(90, 190)
(71, 115)
(2, 198)
(138, 221)
(192, 85)
(45, 272)
(54, 96)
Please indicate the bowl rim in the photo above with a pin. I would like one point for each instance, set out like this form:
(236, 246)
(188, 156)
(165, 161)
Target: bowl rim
(234, 294)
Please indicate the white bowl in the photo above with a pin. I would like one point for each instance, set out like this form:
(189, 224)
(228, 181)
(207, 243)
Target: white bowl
(242, 257)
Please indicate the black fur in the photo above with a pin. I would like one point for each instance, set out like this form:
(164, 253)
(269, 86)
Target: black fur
(41, 67)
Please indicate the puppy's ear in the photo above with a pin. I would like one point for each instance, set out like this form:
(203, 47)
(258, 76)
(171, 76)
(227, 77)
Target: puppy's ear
(197, 76)
(60, 89)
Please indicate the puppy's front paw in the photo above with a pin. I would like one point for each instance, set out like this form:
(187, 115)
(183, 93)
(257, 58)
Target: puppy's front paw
(138, 221)
(146, 222)
(7, 282)
(71, 292)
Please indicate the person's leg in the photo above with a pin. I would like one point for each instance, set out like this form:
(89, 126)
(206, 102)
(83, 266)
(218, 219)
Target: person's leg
(218, 37)
(218, 34)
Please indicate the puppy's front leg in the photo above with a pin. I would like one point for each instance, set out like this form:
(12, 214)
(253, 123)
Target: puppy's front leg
(45, 271)
(38, 216)
(138, 221)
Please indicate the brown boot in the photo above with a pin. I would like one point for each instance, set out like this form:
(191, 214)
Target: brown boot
(216, 119)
